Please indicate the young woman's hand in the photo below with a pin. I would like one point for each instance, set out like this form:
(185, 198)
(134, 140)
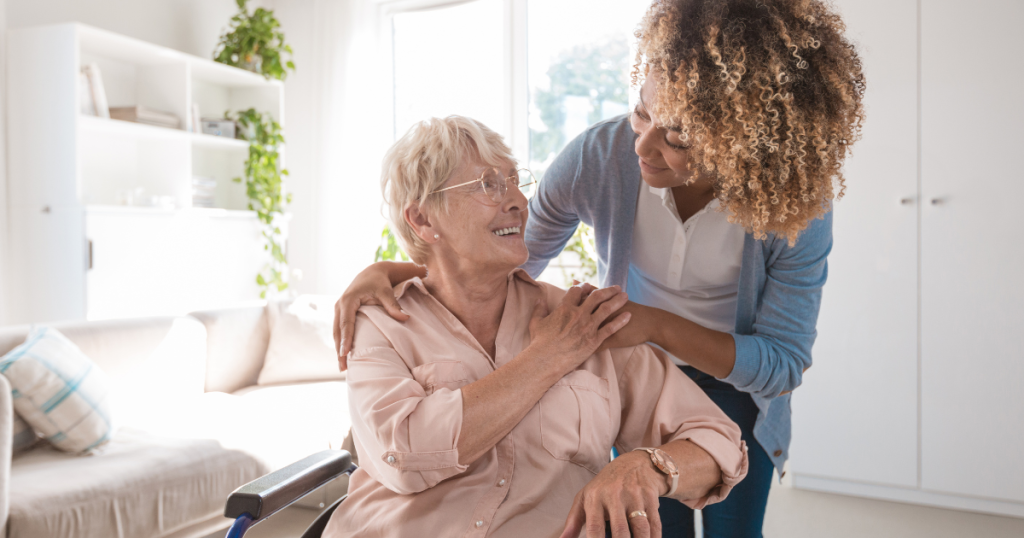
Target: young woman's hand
(372, 286)
(577, 327)
(639, 330)
(626, 485)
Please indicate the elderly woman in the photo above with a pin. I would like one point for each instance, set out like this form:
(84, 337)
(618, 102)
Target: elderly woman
(492, 410)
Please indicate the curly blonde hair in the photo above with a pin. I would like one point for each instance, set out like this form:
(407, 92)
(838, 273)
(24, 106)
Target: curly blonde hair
(767, 94)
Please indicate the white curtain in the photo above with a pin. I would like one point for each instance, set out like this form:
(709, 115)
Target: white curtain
(338, 127)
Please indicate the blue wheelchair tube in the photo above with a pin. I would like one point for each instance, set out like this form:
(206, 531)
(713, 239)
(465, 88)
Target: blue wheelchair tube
(239, 527)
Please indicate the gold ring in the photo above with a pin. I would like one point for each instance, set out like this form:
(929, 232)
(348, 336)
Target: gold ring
(637, 513)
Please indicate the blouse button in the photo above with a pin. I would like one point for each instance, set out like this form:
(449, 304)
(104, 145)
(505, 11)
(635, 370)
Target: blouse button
(778, 453)
(501, 482)
(391, 459)
(479, 523)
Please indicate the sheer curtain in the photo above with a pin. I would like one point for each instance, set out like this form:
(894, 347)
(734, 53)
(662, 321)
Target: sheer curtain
(338, 126)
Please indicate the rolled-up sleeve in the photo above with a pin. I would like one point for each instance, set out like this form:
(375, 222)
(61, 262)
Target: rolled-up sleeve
(407, 439)
(660, 404)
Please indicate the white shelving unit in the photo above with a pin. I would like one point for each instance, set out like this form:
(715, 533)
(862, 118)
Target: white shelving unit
(78, 251)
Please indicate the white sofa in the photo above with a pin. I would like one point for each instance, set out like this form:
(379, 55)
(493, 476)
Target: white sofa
(193, 426)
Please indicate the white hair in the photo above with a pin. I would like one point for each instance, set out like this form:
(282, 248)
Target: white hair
(422, 161)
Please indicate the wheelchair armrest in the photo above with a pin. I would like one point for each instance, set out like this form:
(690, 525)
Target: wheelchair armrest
(266, 495)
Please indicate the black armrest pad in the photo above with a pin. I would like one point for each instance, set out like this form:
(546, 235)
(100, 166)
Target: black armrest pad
(268, 494)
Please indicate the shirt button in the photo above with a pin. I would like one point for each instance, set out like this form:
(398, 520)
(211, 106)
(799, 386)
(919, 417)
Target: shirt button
(501, 482)
(479, 523)
(778, 453)
(391, 459)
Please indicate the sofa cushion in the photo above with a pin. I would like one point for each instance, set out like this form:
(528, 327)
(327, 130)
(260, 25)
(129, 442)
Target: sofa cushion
(139, 485)
(62, 394)
(301, 342)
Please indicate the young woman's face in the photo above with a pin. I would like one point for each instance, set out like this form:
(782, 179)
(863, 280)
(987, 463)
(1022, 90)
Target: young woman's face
(664, 156)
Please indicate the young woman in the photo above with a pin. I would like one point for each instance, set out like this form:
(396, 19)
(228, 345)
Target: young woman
(711, 205)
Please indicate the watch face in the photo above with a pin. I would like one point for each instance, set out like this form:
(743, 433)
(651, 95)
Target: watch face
(664, 464)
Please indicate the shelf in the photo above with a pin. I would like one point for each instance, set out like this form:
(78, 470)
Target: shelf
(211, 141)
(158, 211)
(226, 75)
(137, 52)
(93, 124)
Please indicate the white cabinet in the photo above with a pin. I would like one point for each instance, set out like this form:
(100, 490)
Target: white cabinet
(863, 387)
(76, 250)
(972, 293)
(913, 395)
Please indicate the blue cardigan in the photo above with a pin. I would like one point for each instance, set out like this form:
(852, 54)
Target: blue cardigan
(596, 180)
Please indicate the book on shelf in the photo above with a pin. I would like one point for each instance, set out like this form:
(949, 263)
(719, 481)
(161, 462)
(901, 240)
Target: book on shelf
(142, 114)
(92, 94)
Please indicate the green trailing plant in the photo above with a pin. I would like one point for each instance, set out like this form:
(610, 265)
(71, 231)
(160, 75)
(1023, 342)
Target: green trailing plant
(389, 249)
(255, 42)
(264, 185)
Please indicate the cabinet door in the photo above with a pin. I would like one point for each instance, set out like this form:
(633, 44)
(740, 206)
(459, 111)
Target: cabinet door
(153, 263)
(855, 417)
(972, 294)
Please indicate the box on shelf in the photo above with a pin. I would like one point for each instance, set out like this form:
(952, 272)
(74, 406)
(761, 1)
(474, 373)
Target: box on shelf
(219, 127)
(141, 114)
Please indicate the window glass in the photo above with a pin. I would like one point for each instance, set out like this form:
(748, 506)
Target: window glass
(580, 54)
(448, 60)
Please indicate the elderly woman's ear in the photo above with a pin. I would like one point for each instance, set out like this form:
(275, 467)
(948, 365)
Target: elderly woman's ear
(420, 223)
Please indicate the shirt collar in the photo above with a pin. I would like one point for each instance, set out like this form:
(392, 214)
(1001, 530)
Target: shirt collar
(417, 282)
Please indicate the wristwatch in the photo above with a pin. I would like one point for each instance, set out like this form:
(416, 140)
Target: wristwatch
(664, 464)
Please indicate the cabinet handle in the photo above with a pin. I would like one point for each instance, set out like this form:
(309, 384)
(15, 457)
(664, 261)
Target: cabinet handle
(907, 201)
(938, 201)
(90, 254)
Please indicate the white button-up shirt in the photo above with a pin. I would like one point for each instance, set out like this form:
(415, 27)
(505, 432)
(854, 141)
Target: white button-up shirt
(690, 268)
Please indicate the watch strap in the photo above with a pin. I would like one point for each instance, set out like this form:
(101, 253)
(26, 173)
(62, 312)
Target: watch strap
(673, 477)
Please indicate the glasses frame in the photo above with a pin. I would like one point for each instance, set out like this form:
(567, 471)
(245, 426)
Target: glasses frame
(481, 180)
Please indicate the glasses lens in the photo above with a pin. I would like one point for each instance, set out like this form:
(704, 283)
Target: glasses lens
(494, 185)
(527, 183)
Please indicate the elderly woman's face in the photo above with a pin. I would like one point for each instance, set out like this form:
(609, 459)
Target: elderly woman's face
(478, 230)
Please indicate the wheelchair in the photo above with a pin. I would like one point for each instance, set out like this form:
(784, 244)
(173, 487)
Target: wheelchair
(267, 495)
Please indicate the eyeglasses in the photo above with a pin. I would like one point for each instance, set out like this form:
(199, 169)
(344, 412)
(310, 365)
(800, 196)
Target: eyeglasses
(495, 184)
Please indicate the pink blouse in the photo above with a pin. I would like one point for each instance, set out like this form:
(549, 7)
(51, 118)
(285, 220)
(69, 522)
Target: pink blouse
(405, 382)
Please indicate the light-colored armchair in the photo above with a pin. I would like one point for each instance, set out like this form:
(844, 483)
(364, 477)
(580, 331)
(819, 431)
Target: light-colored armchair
(194, 426)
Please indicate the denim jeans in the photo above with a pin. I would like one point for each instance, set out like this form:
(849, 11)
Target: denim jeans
(741, 514)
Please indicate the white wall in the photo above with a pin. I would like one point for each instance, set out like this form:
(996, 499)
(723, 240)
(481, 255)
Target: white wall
(190, 26)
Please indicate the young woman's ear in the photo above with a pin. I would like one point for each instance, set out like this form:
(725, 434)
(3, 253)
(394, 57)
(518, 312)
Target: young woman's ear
(420, 222)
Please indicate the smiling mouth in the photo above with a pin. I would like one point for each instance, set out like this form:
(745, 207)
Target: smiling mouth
(645, 164)
(506, 231)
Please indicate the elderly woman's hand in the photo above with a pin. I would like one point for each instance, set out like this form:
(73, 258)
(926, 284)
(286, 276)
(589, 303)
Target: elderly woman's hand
(628, 484)
(576, 328)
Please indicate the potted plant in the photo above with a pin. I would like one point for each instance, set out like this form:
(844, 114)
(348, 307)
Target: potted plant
(255, 42)
(264, 185)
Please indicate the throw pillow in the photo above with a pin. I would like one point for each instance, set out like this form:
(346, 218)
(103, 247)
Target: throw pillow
(60, 392)
(301, 344)
(24, 437)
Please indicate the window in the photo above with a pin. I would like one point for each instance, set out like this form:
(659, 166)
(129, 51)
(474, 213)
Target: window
(447, 60)
(537, 71)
